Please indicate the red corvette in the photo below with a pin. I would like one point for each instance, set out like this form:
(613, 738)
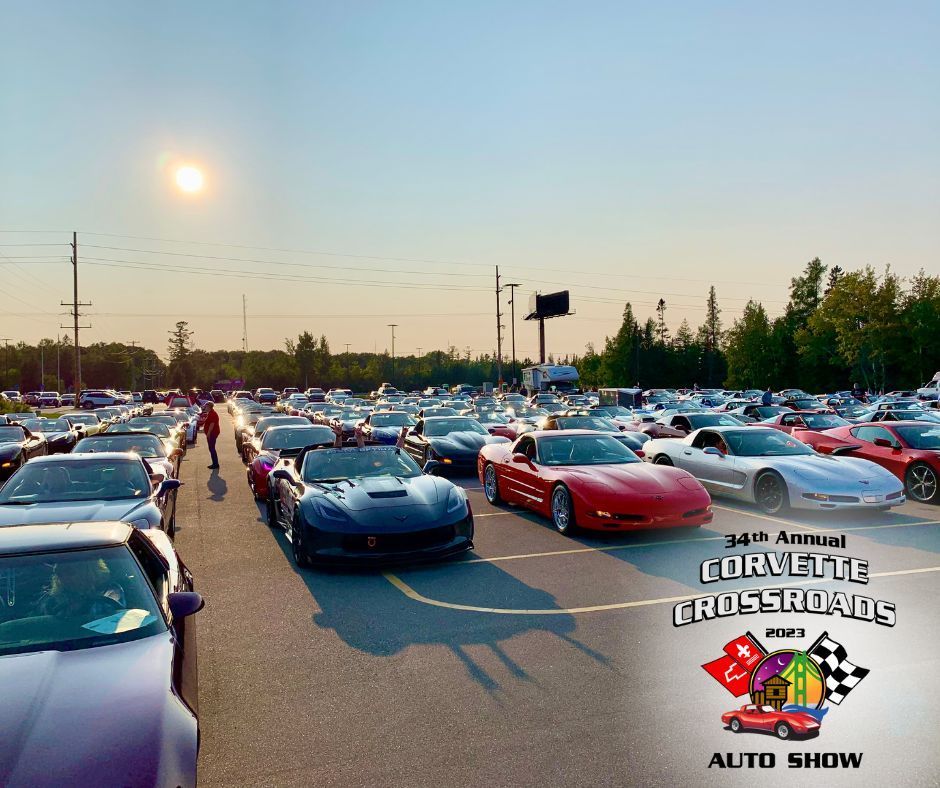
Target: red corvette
(587, 479)
(909, 449)
(806, 420)
(279, 442)
(766, 718)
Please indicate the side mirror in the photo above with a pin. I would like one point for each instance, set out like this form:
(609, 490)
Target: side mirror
(521, 459)
(185, 603)
(639, 453)
(168, 485)
(712, 451)
(884, 443)
(176, 453)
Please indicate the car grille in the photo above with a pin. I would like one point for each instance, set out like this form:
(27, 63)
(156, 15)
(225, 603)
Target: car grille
(400, 542)
(894, 496)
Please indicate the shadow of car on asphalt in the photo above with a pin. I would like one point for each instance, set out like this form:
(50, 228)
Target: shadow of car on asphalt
(372, 616)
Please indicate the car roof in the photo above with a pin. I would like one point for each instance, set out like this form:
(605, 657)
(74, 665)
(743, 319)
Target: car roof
(61, 536)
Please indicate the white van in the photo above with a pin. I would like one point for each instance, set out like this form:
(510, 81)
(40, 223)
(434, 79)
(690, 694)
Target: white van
(930, 390)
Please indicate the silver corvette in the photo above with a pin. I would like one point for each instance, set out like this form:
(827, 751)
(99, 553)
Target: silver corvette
(774, 470)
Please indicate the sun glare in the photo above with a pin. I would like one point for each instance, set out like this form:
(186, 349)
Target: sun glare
(189, 179)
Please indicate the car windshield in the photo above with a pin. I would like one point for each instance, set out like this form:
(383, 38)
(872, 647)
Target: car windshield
(336, 465)
(143, 421)
(763, 443)
(445, 426)
(11, 433)
(492, 417)
(769, 411)
(586, 423)
(88, 480)
(700, 420)
(160, 430)
(75, 599)
(439, 412)
(83, 418)
(296, 438)
(141, 443)
(823, 421)
(527, 413)
(393, 419)
(46, 425)
(278, 421)
(920, 437)
(614, 410)
(584, 450)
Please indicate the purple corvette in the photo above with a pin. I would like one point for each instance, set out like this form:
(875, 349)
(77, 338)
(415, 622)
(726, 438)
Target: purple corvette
(97, 658)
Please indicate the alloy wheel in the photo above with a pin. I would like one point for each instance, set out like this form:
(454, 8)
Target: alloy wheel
(922, 482)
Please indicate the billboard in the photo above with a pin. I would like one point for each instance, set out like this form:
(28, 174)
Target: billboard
(548, 305)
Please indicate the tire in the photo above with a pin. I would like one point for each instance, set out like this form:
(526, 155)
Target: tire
(251, 485)
(783, 731)
(735, 725)
(491, 485)
(770, 493)
(563, 511)
(921, 483)
(271, 512)
(297, 545)
(662, 459)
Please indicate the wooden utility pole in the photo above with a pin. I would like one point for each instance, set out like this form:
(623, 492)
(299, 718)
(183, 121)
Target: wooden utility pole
(75, 315)
(499, 337)
(512, 320)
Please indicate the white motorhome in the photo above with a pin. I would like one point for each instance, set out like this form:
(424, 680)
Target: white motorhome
(550, 377)
(930, 390)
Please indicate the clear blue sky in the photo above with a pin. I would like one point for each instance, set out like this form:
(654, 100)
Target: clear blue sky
(630, 150)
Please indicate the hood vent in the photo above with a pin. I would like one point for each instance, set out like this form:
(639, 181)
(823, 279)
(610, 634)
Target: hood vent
(389, 494)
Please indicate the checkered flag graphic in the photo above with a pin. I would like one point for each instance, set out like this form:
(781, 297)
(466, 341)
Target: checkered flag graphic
(840, 674)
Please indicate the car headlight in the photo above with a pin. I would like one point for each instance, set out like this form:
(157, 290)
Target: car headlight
(330, 513)
(456, 500)
(142, 523)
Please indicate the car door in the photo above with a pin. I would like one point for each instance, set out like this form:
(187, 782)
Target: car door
(713, 470)
(516, 481)
(750, 717)
(416, 443)
(890, 457)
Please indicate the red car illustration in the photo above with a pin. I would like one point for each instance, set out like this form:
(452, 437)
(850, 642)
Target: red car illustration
(785, 724)
(909, 449)
(587, 479)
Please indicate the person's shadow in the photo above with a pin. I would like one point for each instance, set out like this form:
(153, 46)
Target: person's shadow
(217, 486)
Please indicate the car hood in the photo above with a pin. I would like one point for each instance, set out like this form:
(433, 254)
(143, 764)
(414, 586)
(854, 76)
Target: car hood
(639, 478)
(10, 447)
(125, 509)
(96, 716)
(825, 467)
(461, 441)
(382, 492)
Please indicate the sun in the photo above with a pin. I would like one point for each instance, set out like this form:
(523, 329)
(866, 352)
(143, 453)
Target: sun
(189, 179)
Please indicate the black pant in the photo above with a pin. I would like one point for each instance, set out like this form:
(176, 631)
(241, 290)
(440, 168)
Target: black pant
(211, 439)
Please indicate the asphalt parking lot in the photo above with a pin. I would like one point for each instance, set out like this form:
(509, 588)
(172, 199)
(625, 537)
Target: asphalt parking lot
(536, 660)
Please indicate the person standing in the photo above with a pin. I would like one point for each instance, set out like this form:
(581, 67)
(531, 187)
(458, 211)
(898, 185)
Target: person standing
(211, 427)
(768, 397)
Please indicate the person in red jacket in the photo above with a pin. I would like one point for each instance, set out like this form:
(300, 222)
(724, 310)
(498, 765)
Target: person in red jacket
(211, 427)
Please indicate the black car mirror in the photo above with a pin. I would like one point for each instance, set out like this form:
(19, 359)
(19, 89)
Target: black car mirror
(185, 603)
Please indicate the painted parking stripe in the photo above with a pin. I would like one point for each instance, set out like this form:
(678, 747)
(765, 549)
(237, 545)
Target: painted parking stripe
(409, 592)
(612, 548)
(767, 517)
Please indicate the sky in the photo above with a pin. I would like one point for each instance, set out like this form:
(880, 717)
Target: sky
(369, 163)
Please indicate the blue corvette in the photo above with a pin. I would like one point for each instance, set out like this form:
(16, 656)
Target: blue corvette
(385, 427)
(366, 505)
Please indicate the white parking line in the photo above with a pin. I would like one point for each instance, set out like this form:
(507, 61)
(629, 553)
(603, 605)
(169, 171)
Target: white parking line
(764, 517)
(409, 592)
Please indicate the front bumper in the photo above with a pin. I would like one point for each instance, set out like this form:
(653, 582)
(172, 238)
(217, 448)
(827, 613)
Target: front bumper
(860, 499)
(383, 548)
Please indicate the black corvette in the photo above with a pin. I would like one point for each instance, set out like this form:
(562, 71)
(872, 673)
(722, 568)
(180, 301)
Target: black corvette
(61, 436)
(448, 441)
(17, 445)
(366, 505)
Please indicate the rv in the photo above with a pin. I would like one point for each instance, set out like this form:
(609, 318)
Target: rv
(931, 389)
(550, 377)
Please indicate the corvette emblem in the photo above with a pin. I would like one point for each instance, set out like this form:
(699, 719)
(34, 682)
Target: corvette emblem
(372, 541)
(659, 497)
(401, 518)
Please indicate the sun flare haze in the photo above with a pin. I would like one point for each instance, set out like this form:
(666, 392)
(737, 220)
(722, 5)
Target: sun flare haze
(189, 179)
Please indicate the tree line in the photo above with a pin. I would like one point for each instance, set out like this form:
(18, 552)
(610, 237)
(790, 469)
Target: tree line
(838, 328)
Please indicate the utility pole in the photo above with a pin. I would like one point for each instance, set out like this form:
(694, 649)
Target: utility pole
(512, 303)
(6, 356)
(58, 369)
(244, 323)
(42, 367)
(393, 326)
(499, 337)
(347, 361)
(75, 315)
(133, 344)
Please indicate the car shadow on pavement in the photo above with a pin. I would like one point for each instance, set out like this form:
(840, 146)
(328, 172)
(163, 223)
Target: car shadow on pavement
(217, 486)
(372, 616)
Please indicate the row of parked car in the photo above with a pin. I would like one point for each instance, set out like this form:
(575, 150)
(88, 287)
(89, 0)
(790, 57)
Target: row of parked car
(95, 627)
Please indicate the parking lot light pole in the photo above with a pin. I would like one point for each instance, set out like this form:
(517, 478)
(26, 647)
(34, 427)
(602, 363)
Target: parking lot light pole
(512, 323)
(393, 326)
